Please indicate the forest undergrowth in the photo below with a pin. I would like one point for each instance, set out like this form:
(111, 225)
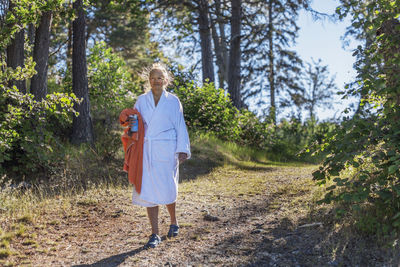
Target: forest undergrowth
(236, 208)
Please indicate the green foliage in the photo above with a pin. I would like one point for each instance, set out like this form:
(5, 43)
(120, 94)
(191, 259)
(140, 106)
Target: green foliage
(111, 89)
(364, 157)
(293, 138)
(27, 140)
(209, 110)
(253, 132)
(26, 12)
(109, 79)
(29, 130)
(18, 18)
(124, 26)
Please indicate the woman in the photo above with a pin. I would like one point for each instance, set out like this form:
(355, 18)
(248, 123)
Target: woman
(166, 144)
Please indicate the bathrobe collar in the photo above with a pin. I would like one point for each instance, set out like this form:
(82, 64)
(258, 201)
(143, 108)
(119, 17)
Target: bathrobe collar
(156, 109)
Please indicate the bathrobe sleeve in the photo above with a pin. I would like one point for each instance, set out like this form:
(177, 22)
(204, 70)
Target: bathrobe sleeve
(182, 136)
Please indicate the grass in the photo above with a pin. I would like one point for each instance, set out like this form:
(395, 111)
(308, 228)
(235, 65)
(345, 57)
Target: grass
(20, 230)
(26, 219)
(219, 174)
(215, 165)
(4, 253)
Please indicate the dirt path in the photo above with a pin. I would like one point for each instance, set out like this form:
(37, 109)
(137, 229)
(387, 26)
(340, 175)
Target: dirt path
(234, 216)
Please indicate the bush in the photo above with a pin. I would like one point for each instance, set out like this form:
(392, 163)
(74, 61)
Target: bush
(111, 86)
(254, 132)
(27, 141)
(111, 89)
(208, 109)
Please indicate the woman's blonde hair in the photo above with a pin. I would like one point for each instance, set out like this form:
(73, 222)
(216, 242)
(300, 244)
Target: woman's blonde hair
(145, 75)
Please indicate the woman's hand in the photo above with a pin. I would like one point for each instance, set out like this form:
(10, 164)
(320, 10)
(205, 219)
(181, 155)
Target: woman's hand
(130, 123)
(182, 157)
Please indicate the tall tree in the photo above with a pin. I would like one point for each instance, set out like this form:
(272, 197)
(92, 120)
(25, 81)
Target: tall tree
(187, 17)
(319, 87)
(268, 29)
(271, 60)
(235, 55)
(82, 128)
(41, 56)
(15, 52)
(218, 21)
(270, 66)
(123, 25)
(205, 40)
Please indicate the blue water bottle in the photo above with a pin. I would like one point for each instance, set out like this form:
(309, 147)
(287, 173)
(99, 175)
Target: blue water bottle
(135, 123)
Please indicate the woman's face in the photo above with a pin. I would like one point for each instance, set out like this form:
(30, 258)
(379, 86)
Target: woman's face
(157, 80)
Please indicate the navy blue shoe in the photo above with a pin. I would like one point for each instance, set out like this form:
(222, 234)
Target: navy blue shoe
(173, 230)
(154, 241)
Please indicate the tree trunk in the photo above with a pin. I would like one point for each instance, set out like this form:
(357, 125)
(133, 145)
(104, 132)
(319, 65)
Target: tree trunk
(41, 56)
(205, 42)
(271, 58)
(235, 55)
(220, 45)
(69, 47)
(82, 129)
(31, 33)
(218, 54)
(224, 42)
(15, 55)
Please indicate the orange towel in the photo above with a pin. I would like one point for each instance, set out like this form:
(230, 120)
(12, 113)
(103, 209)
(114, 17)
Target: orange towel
(133, 147)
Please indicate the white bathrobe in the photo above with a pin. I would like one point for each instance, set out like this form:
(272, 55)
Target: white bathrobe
(165, 136)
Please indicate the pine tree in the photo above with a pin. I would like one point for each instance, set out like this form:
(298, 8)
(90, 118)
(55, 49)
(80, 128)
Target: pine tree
(15, 52)
(270, 67)
(41, 56)
(219, 20)
(234, 76)
(319, 87)
(82, 128)
(187, 17)
(124, 26)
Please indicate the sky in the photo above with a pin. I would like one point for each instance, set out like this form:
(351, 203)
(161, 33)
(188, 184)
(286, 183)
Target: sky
(322, 40)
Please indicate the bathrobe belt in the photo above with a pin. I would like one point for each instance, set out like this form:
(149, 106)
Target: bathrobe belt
(148, 142)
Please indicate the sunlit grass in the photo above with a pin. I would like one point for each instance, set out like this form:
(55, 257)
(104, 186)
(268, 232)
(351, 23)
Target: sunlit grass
(218, 172)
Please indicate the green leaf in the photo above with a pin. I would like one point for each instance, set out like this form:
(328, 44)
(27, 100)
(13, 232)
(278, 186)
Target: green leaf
(392, 169)
(397, 216)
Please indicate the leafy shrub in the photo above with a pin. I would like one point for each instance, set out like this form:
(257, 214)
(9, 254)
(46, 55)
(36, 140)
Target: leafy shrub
(363, 166)
(112, 89)
(208, 109)
(28, 129)
(254, 132)
(110, 83)
(292, 139)
(27, 140)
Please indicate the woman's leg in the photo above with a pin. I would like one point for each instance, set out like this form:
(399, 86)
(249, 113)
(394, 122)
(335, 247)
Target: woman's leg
(172, 213)
(152, 213)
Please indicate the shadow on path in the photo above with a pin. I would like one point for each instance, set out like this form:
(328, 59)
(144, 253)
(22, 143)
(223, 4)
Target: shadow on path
(114, 260)
(279, 242)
